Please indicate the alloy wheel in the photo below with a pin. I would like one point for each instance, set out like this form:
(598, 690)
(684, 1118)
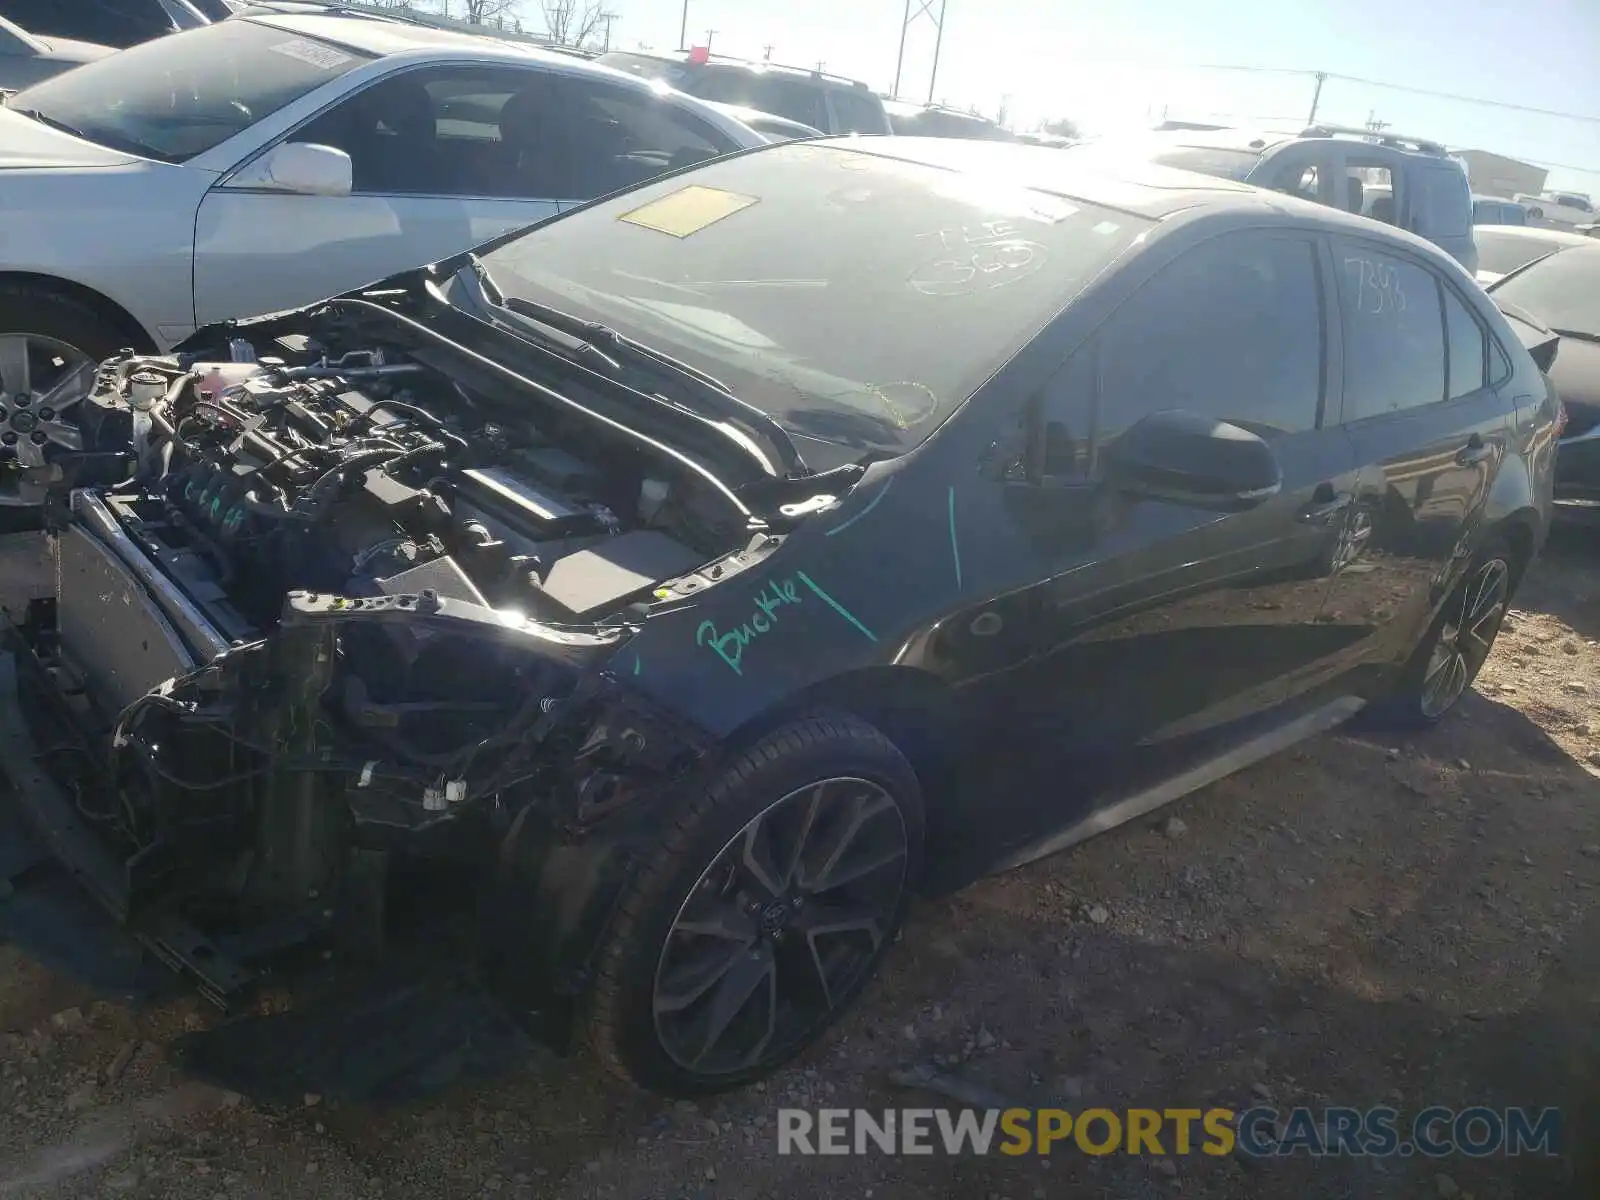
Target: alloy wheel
(41, 379)
(782, 927)
(1466, 637)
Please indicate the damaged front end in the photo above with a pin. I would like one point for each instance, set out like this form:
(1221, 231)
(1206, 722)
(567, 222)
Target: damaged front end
(328, 660)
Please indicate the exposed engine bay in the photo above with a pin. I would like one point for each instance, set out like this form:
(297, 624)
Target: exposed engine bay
(327, 610)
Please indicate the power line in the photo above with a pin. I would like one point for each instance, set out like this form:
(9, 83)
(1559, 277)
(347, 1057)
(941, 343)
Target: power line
(1399, 87)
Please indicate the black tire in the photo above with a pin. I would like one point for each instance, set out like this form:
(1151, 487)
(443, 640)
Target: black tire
(622, 1019)
(1408, 707)
(51, 314)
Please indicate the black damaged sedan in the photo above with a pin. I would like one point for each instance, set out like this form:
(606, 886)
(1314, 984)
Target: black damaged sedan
(678, 586)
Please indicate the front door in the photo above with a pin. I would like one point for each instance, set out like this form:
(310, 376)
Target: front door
(1427, 425)
(1161, 619)
(434, 174)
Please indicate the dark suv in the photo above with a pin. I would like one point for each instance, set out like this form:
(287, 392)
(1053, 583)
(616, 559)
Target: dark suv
(1419, 186)
(830, 103)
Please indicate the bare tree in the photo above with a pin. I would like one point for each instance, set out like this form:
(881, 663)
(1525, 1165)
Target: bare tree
(485, 12)
(572, 22)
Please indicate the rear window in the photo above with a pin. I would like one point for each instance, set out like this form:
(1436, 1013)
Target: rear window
(1442, 201)
(1563, 291)
(1501, 254)
(856, 298)
(179, 96)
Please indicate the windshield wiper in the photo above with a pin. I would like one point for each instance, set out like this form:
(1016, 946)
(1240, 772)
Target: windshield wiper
(54, 123)
(600, 348)
(126, 144)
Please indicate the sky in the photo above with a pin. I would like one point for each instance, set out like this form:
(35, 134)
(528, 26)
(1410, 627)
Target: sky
(1122, 63)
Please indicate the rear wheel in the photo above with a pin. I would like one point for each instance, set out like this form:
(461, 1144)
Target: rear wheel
(764, 911)
(1458, 644)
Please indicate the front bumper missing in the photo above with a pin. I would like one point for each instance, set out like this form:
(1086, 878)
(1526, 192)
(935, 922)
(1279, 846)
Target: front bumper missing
(51, 813)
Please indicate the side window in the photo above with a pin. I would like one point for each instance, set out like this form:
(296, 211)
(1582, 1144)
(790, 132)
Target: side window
(1441, 200)
(431, 132)
(1466, 346)
(512, 134)
(1066, 430)
(857, 113)
(1499, 364)
(1394, 356)
(1369, 190)
(1232, 329)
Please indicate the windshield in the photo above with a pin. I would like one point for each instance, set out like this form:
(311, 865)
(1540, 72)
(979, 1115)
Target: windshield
(179, 96)
(1563, 291)
(1500, 254)
(856, 298)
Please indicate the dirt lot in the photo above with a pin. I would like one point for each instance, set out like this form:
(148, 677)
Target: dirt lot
(1362, 921)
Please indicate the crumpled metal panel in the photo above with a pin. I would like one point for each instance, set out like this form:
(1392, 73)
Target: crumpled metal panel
(110, 627)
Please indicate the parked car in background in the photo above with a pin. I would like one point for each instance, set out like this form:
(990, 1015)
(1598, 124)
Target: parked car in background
(26, 58)
(263, 162)
(932, 120)
(1559, 208)
(1505, 248)
(117, 23)
(830, 103)
(1419, 187)
(676, 605)
(1558, 286)
(1492, 210)
(770, 126)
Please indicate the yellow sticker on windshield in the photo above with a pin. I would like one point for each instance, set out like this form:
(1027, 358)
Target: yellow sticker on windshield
(688, 210)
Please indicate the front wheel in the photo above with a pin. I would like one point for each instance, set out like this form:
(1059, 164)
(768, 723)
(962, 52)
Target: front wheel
(49, 347)
(762, 913)
(1457, 645)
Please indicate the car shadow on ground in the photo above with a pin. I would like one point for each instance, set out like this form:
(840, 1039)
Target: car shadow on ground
(1366, 921)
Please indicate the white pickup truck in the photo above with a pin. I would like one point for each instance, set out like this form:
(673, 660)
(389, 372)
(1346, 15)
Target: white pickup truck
(1558, 208)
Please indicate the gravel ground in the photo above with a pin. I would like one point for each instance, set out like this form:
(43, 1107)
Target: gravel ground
(1361, 921)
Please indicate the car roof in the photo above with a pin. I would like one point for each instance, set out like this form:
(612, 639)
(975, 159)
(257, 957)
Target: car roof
(1132, 184)
(1129, 183)
(382, 39)
(1529, 233)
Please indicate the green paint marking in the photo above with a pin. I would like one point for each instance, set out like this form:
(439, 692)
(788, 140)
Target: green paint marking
(955, 546)
(835, 605)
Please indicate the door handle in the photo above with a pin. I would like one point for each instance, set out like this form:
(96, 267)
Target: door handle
(1474, 452)
(1325, 505)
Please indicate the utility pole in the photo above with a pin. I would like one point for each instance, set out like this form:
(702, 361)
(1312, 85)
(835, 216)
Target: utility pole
(683, 28)
(608, 17)
(1316, 97)
(766, 52)
(938, 41)
(1373, 123)
(710, 33)
(900, 59)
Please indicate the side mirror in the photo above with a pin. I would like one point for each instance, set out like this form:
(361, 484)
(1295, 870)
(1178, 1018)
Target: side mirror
(1186, 458)
(308, 169)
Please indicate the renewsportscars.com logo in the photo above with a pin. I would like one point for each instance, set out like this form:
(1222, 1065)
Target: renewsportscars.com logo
(1261, 1132)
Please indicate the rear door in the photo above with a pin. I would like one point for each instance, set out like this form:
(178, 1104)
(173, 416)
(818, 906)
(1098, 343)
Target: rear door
(1428, 426)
